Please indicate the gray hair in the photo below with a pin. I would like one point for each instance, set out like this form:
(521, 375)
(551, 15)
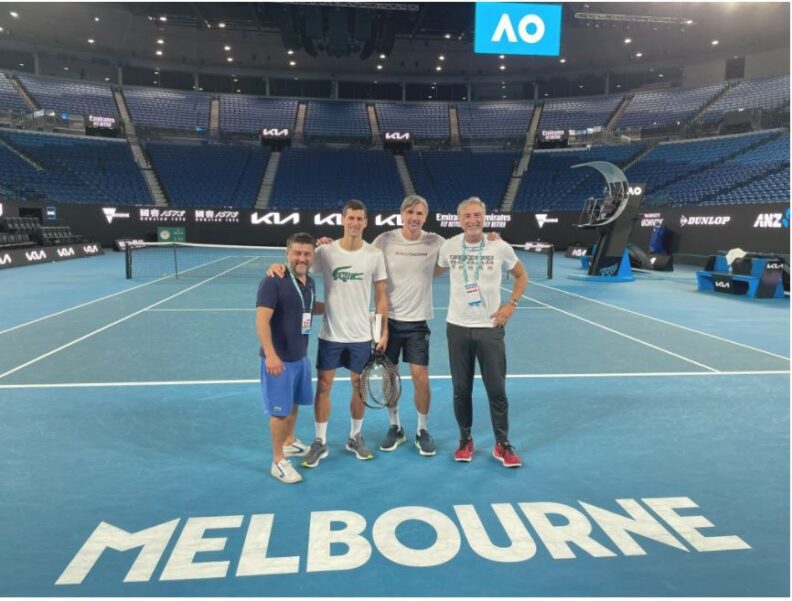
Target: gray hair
(412, 200)
(470, 201)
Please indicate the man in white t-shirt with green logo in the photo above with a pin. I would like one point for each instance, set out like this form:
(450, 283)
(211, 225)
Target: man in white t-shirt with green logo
(349, 267)
(475, 324)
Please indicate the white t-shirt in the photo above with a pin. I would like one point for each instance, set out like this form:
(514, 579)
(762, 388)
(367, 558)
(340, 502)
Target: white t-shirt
(410, 265)
(490, 258)
(347, 277)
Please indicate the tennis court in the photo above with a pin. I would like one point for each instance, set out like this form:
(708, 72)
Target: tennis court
(652, 420)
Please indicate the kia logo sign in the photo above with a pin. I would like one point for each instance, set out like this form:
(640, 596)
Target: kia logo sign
(510, 28)
(273, 132)
(395, 136)
(274, 218)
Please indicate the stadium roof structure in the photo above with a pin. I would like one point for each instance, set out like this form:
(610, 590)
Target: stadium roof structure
(394, 40)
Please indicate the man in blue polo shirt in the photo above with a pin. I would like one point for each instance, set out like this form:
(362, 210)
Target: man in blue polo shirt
(284, 307)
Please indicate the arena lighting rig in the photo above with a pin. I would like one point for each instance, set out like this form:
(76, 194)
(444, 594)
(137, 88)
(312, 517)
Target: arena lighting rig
(586, 16)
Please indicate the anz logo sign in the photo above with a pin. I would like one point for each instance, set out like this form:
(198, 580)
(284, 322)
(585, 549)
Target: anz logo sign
(512, 28)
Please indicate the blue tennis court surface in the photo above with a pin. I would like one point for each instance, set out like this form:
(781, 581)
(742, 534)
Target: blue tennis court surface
(652, 420)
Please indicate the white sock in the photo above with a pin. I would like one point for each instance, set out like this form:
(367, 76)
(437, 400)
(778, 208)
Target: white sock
(422, 417)
(357, 426)
(321, 431)
(393, 413)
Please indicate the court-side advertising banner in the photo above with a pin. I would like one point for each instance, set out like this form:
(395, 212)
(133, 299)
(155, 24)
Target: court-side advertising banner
(697, 230)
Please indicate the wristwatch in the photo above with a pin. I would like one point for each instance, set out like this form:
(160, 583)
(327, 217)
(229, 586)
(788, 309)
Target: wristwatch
(513, 302)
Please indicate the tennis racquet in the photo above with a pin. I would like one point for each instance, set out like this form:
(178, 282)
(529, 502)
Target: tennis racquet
(380, 382)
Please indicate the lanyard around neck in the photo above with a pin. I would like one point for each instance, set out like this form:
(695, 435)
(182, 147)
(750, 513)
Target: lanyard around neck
(477, 269)
(300, 294)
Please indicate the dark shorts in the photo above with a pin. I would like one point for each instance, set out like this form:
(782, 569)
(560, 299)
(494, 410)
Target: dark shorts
(351, 355)
(410, 340)
(292, 387)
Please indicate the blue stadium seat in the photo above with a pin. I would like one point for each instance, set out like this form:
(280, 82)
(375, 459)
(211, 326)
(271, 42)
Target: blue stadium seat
(494, 121)
(76, 169)
(9, 98)
(204, 175)
(168, 109)
(338, 120)
(446, 178)
(550, 183)
(70, 96)
(424, 120)
(325, 178)
(250, 114)
(578, 113)
(666, 108)
(768, 93)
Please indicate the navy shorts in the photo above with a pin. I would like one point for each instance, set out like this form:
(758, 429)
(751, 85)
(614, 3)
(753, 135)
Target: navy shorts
(351, 355)
(292, 387)
(410, 340)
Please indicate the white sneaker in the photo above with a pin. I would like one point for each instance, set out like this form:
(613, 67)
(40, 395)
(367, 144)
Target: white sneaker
(285, 472)
(296, 449)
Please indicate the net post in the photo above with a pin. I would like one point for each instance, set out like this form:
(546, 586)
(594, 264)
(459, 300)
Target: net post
(128, 253)
(550, 255)
(175, 263)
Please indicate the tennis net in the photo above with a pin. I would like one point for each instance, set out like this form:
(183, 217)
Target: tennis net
(537, 257)
(190, 260)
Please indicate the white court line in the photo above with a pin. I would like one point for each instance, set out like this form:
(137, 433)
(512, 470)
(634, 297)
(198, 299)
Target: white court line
(232, 309)
(670, 323)
(96, 300)
(548, 376)
(116, 322)
(638, 340)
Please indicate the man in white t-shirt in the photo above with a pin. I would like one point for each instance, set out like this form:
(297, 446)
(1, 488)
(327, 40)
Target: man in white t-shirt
(475, 324)
(410, 258)
(349, 267)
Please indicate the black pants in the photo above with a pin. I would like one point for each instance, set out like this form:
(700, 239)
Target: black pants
(465, 345)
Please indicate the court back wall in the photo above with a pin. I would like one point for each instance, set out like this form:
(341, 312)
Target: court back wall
(695, 230)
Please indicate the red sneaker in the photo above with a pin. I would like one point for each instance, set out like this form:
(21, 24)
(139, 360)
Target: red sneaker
(465, 450)
(504, 453)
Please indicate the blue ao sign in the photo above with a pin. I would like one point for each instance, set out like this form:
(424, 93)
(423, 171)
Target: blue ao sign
(510, 28)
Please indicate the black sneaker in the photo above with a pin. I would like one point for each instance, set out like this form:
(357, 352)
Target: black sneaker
(424, 443)
(316, 453)
(393, 439)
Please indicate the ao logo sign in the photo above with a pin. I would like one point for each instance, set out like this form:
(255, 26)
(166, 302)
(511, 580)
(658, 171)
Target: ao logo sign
(510, 28)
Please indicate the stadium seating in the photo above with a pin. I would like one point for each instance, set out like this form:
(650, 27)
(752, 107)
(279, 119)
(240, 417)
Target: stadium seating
(168, 109)
(666, 108)
(498, 121)
(75, 169)
(202, 175)
(250, 114)
(773, 187)
(670, 161)
(447, 178)
(578, 113)
(771, 153)
(550, 183)
(325, 178)
(69, 96)
(767, 93)
(9, 98)
(337, 121)
(425, 121)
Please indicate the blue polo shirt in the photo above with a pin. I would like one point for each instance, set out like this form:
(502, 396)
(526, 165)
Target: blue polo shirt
(280, 295)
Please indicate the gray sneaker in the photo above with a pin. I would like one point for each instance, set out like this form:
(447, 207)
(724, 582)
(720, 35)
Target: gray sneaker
(393, 439)
(316, 453)
(425, 444)
(357, 446)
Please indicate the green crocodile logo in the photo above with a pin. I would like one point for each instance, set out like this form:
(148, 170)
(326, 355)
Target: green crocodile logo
(345, 276)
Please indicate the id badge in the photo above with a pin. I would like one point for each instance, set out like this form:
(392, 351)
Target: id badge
(472, 294)
(306, 323)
